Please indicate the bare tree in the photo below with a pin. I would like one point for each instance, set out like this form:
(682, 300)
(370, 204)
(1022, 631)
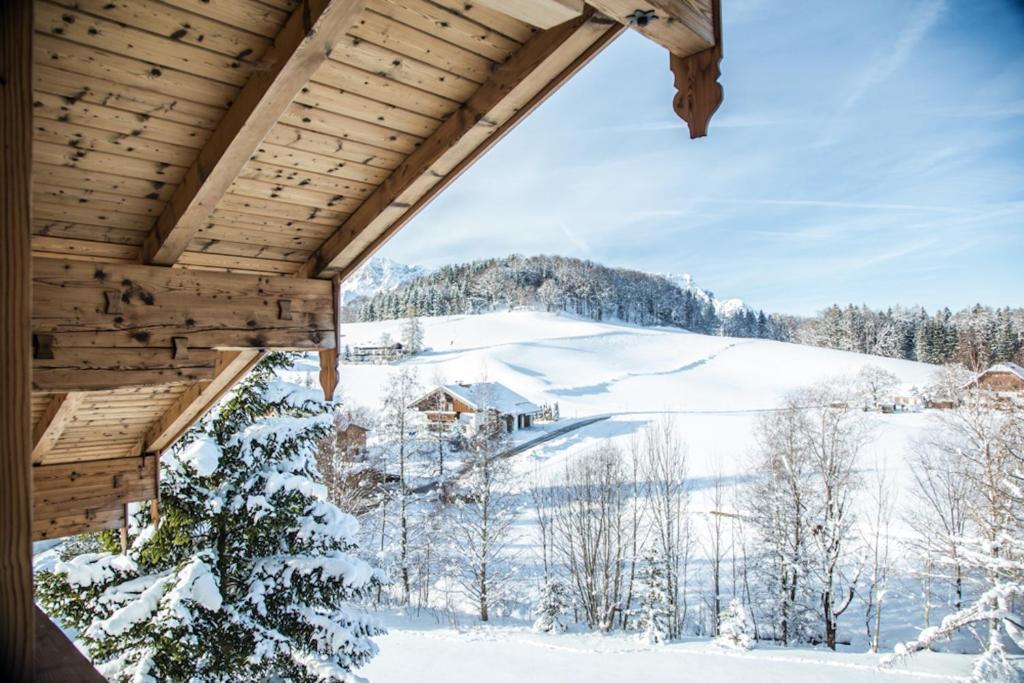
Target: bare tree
(399, 424)
(484, 511)
(717, 547)
(778, 509)
(938, 515)
(801, 507)
(591, 532)
(834, 434)
(664, 470)
(986, 433)
(877, 543)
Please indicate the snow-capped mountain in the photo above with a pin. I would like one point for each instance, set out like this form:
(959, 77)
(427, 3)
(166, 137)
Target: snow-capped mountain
(723, 307)
(379, 274)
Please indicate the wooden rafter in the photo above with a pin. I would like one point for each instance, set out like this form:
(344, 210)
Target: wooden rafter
(515, 89)
(539, 13)
(51, 424)
(303, 44)
(683, 27)
(198, 398)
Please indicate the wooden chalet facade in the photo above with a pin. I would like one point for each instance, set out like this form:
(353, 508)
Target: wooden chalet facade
(184, 185)
(474, 404)
(1002, 378)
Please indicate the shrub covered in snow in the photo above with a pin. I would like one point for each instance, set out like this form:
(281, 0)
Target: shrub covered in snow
(735, 627)
(246, 574)
(553, 603)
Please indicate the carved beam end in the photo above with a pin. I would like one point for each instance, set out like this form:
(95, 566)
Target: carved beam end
(698, 92)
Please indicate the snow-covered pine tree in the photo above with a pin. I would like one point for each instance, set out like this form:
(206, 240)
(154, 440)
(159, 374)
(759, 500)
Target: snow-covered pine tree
(412, 333)
(735, 628)
(246, 574)
(656, 613)
(554, 601)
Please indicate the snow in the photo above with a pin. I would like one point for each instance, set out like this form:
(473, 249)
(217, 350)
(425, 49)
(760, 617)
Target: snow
(379, 274)
(94, 568)
(723, 307)
(492, 395)
(137, 610)
(593, 368)
(418, 649)
(714, 389)
(203, 455)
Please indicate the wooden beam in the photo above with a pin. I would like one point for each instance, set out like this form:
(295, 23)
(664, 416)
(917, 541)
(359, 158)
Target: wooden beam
(211, 310)
(198, 399)
(77, 369)
(58, 660)
(698, 92)
(88, 496)
(683, 27)
(515, 89)
(540, 13)
(303, 44)
(17, 611)
(51, 424)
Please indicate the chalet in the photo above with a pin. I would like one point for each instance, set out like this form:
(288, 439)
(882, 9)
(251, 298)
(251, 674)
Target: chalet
(1004, 378)
(473, 404)
(184, 187)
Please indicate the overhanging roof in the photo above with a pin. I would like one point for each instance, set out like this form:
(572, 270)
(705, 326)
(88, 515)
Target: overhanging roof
(276, 140)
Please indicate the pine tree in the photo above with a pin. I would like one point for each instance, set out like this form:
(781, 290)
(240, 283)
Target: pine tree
(656, 612)
(736, 629)
(246, 573)
(554, 601)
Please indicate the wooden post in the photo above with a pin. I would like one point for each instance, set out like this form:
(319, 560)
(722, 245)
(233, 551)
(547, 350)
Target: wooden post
(17, 617)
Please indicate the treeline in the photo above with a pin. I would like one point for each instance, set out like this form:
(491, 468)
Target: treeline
(975, 337)
(559, 283)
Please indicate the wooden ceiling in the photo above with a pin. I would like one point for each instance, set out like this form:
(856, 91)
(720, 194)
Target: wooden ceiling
(276, 143)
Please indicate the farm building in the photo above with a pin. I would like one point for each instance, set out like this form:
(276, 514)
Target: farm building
(186, 184)
(1001, 378)
(476, 404)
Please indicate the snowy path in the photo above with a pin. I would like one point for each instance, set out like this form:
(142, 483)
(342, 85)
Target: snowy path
(507, 654)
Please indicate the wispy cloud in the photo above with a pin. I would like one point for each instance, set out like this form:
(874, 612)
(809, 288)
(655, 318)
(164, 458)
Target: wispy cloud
(920, 22)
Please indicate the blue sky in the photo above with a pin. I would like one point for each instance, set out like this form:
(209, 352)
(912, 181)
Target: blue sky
(868, 152)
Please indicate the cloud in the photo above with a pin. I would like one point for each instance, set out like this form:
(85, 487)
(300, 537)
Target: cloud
(921, 21)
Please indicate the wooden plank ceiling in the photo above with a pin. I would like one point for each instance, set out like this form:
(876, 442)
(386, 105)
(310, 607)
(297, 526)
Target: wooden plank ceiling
(256, 138)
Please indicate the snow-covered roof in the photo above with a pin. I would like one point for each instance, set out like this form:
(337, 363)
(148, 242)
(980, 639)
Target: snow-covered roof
(1012, 368)
(482, 395)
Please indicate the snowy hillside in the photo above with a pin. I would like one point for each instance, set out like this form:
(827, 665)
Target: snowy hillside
(591, 367)
(379, 274)
(715, 389)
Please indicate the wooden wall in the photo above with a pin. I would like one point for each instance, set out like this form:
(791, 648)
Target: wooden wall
(17, 619)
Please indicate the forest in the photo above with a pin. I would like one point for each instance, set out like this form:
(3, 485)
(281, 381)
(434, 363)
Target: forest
(975, 337)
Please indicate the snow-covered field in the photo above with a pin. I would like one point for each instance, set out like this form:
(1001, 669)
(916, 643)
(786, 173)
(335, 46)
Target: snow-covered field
(714, 388)
(422, 650)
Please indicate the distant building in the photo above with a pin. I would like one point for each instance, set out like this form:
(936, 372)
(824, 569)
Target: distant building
(909, 397)
(374, 354)
(474, 404)
(353, 440)
(1001, 378)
